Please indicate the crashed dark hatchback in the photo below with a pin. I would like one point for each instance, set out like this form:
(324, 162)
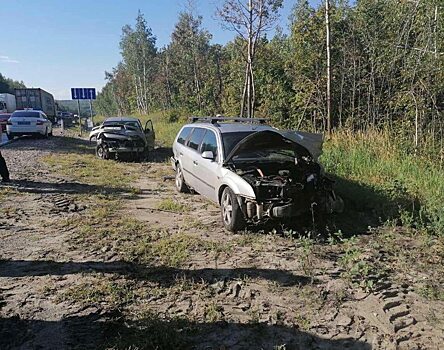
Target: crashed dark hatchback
(123, 138)
(253, 171)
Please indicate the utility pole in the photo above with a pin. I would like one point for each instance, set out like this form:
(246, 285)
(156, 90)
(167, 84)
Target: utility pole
(327, 25)
(80, 119)
(91, 111)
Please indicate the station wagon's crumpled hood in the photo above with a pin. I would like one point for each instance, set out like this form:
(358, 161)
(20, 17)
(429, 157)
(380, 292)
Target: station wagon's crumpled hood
(301, 141)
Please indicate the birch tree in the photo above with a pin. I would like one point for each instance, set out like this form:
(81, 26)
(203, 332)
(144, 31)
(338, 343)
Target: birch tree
(249, 19)
(138, 49)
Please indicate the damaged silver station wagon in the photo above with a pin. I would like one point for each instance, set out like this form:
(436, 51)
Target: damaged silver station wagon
(252, 170)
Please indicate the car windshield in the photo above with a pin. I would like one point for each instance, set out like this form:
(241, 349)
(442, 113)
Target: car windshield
(122, 123)
(231, 139)
(26, 114)
(267, 154)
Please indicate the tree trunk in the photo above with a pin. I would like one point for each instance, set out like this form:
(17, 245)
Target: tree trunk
(244, 93)
(327, 26)
(249, 57)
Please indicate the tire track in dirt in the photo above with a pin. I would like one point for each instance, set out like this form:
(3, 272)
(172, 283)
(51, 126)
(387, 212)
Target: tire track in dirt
(36, 254)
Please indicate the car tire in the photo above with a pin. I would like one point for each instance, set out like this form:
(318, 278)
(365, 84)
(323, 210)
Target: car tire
(232, 215)
(102, 152)
(50, 133)
(45, 135)
(10, 136)
(181, 186)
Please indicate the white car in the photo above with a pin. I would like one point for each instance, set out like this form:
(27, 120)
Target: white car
(253, 171)
(28, 122)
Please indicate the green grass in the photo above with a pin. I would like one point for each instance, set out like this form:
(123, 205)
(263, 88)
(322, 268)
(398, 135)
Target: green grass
(378, 177)
(171, 251)
(374, 173)
(102, 291)
(89, 169)
(169, 204)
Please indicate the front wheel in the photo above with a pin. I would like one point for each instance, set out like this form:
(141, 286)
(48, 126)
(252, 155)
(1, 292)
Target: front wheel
(10, 136)
(232, 216)
(102, 151)
(181, 186)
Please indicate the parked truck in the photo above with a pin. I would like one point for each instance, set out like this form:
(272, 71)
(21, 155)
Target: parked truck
(36, 99)
(7, 103)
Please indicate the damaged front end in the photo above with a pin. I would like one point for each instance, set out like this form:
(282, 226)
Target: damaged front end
(121, 142)
(286, 180)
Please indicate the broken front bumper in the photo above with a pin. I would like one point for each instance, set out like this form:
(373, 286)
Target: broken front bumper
(126, 149)
(258, 211)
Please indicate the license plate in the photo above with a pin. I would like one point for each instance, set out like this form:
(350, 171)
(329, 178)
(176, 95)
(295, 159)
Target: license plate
(24, 123)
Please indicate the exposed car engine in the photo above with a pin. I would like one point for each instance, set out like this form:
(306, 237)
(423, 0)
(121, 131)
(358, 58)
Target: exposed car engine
(283, 188)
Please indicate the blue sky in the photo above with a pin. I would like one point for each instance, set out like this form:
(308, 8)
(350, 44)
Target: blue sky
(59, 44)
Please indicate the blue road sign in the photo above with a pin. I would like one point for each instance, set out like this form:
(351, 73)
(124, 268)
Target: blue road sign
(83, 93)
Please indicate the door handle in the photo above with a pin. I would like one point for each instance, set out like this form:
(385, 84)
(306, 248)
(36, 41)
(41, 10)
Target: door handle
(180, 154)
(194, 162)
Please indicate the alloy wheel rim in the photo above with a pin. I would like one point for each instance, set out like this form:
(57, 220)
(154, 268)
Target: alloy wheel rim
(227, 209)
(179, 178)
(100, 152)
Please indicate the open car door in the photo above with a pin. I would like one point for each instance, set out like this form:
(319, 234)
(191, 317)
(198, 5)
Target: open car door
(150, 135)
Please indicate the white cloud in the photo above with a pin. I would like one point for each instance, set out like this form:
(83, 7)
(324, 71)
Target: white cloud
(7, 59)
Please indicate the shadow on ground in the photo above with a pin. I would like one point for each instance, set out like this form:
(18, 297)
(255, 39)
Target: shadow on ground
(161, 155)
(164, 276)
(60, 187)
(366, 206)
(54, 144)
(113, 331)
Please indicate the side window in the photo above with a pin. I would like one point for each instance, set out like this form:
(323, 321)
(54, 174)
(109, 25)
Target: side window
(184, 135)
(196, 138)
(209, 143)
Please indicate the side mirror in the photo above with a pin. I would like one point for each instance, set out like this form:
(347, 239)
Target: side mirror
(208, 155)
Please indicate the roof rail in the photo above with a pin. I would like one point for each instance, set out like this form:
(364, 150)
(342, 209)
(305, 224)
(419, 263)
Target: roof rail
(215, 120)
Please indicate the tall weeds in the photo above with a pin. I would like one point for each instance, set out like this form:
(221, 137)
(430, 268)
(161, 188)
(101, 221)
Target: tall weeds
(413, 183)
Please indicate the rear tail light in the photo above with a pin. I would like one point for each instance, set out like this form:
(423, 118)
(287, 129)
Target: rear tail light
(39, 122)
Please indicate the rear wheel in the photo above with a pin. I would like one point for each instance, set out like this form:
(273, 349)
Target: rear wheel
(10, 136)
(181, 186)
(232, 216)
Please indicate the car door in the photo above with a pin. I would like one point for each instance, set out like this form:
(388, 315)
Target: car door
(191, 157)
(207, 168)
(150, 135)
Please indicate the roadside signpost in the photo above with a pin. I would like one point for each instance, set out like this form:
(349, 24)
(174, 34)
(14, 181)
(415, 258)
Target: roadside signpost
(83, 94)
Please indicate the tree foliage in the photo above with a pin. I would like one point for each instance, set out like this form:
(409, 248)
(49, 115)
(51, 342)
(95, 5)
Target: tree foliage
(387, 61)
(8, 85)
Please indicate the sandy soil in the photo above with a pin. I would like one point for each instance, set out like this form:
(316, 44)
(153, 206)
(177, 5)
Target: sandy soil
(256, 290)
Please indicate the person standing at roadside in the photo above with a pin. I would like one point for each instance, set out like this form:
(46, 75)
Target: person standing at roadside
(4, 173)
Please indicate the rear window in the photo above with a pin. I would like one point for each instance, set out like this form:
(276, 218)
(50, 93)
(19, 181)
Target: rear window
(196, 138)
(184, 135)
(122, 123)
(26, 114)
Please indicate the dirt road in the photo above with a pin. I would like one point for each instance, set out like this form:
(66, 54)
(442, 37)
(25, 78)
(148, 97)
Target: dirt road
(130, 263)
